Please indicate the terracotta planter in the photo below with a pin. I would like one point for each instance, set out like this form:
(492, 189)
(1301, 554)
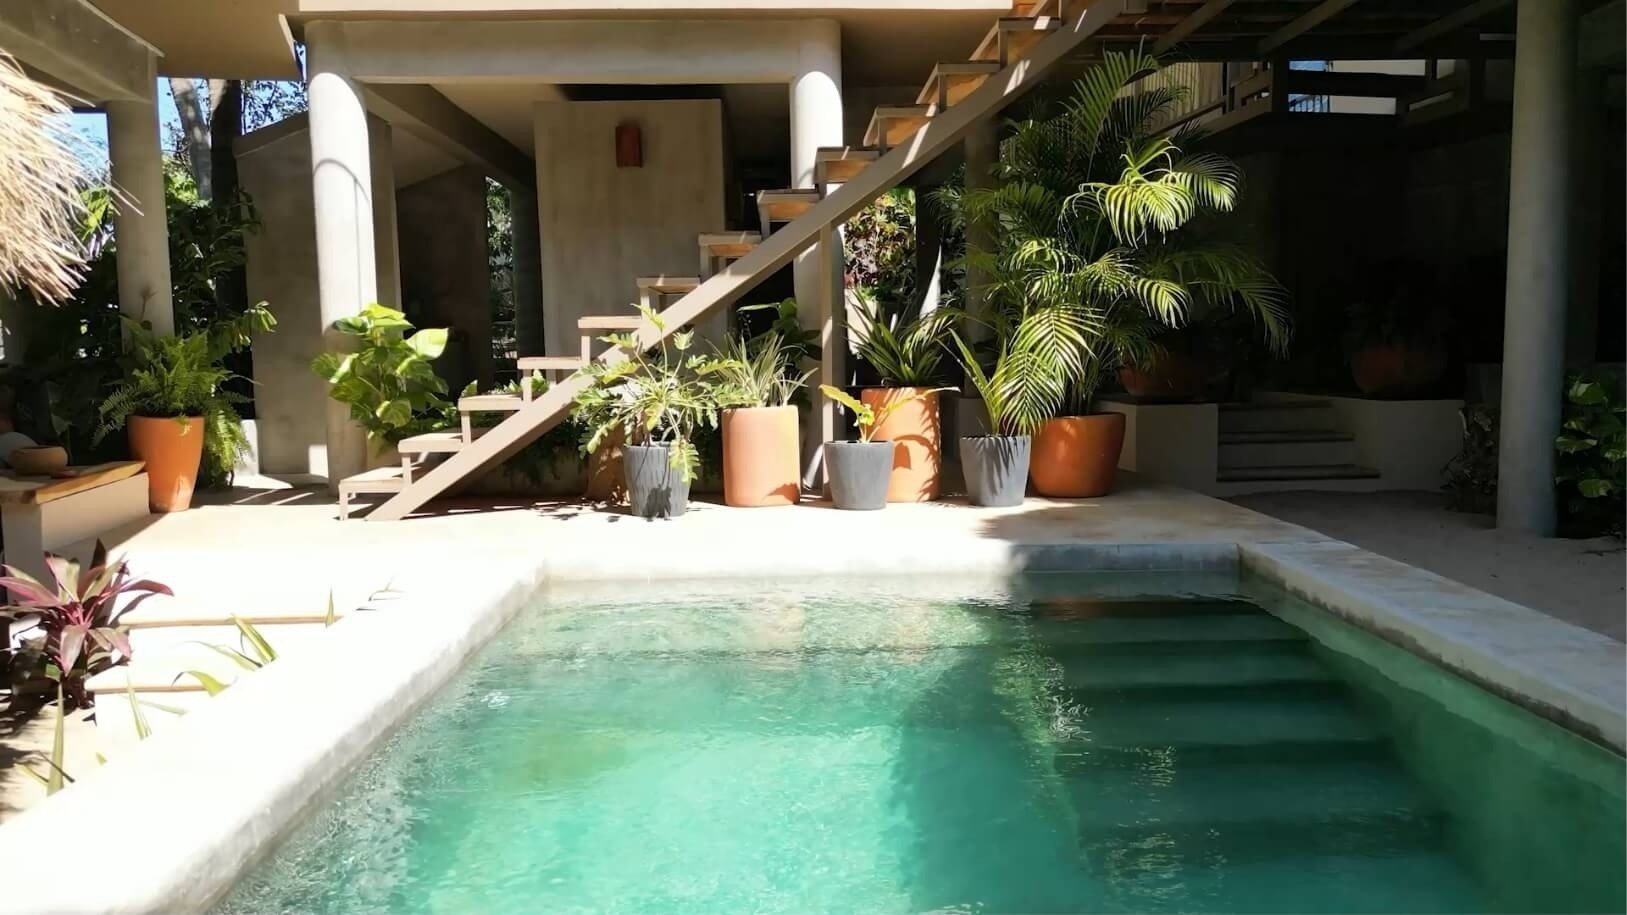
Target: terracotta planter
(1077, 457)
(917, 442)
(172, 449)
(1396, 367)
(762, 463)
(1171, 376)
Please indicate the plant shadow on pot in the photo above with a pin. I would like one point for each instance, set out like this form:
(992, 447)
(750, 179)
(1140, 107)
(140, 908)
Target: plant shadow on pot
(996, 468)
(655, 488)
(859, 472)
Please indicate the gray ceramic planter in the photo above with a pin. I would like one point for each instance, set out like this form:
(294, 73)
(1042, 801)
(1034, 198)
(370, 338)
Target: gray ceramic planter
(858, 473)
(996, 468)
(655, 487)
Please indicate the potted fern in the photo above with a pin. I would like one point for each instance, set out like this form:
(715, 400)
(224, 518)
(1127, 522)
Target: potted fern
(753, 382)
(655, 401)
(1096, 247)
(861, 469)
(172, 401)
(906, 352)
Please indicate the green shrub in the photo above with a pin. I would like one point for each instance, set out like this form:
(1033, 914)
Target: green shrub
(1471, 476)
(1592, 458)
(388, 382)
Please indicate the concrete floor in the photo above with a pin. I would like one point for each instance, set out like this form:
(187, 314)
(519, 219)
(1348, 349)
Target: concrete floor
(1579, 581)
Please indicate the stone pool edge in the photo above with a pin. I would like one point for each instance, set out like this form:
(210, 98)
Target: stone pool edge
(183, 815)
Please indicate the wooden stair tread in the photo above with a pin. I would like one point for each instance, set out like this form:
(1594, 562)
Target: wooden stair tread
(609, 322)
(490, 403)
(1021, 33)
(1036, 8)
(668, 285)
(891, 125)
(785, 204)
(547, 363)
(963, 78)
(838, 164)
(730, 244)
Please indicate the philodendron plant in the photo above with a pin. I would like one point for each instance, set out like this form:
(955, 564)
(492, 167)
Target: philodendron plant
(659, 397)
(388, 382)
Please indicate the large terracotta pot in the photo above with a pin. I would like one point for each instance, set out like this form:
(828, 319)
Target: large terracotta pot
(1077, 457)
(172, 449)
(1396, 367)
(761, 461)
(917, 442)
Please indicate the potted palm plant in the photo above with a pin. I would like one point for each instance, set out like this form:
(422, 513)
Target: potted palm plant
(860, 470)
(1021, 392)
(906, 351)
(173, 402)
(1094, 250)
(753, 383)
(655, 401)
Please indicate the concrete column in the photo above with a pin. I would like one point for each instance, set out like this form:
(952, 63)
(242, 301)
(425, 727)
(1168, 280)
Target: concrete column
(386, 237)
(139, 228)
(1538, 270)
(342, 198)
(816, 120)
(527, 283)
(982, 148)
(1587, 215)
(928, 250)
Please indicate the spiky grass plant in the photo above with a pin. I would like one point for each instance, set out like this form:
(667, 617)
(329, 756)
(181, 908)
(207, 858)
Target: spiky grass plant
(904, 349)
(1095, 218)
(41, 206)
(759, 372)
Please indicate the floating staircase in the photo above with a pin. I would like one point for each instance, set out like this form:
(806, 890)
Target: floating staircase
(1273, 445)
(1013, 57)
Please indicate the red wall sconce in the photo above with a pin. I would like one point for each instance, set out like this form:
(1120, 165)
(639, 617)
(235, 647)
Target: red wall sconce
(629, 146)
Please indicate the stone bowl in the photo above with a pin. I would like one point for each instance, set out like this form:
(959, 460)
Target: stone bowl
(38, 460)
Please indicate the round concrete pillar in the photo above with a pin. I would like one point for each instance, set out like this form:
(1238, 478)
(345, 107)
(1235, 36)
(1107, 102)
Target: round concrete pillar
(1538, 268)
(342, 199)
(527, 267)
(136, 164)
(816, 120)
(982, 148)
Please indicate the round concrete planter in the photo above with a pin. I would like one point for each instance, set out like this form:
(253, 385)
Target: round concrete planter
(996, 468)
(655, 487)
(858, 474)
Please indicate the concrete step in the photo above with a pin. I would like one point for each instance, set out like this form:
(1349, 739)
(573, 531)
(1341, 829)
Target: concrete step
(1299, 416)
(840, 164)
(1012, 37)
(1285, 449)
(1241, 666)
(951, 82)
(1207, 633)
(891, 125)
(784, 205)
(1198, 722)
(1296, 473)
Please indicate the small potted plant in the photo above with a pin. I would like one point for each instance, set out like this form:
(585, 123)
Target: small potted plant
(172, 400)
(753, 383)
(1396, 331)
(906, 352)
(860, 469)
(1021, 392)
(656, 401)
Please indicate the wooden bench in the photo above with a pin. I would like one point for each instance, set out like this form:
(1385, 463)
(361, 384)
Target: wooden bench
(50, 513)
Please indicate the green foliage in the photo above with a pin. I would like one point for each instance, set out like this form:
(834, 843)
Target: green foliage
(802, 343)
(654, 397)
(1592, 457)
(1096, 222)
(542, 458)
(388, 382)
(1022, 390)
(867, 417)
(760, 372)
(905, 350)
(879, 246)
(184, 376)
(1471, 476)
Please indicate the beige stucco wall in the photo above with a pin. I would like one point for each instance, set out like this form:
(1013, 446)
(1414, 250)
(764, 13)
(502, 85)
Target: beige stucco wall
(445, 278)
(603, 226)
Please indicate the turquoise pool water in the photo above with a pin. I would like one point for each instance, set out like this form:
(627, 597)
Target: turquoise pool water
(1104, 743)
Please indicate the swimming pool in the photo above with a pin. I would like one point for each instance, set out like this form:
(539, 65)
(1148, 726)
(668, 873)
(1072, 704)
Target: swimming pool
(1118, 742)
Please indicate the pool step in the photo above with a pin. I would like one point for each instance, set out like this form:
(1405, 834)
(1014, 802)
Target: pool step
(1128, 724)
(1247, 665)
(1290, 794)
(1191, 632)
(1061, 607)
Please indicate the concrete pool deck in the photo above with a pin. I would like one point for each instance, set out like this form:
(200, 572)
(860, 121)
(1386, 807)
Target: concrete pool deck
(234, 775)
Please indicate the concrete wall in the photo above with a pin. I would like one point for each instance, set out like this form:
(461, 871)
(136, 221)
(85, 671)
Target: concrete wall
(445, 277)
(604, 226)
(274, 167)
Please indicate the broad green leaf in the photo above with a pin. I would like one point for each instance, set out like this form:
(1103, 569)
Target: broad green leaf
(394, 413)
(1595, 488)
(429, 342)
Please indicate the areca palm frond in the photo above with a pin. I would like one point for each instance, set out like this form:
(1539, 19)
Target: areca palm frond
(1096, 223)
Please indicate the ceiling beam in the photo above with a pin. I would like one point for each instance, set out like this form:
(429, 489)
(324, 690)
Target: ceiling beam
(1317, 15)
(426, 113)
(1199, 18)
(1449, 23)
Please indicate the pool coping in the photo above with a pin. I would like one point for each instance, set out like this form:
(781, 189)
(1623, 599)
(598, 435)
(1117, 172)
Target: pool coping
(203, 802)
